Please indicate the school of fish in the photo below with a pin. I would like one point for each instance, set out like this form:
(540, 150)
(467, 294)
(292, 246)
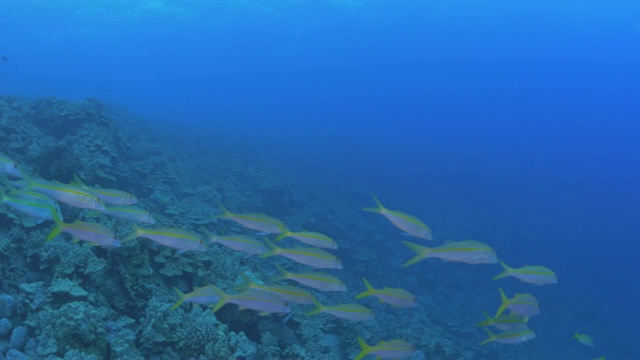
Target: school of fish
(40, 199)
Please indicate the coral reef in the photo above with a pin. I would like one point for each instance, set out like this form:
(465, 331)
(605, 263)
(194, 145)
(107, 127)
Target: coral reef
(66, 300)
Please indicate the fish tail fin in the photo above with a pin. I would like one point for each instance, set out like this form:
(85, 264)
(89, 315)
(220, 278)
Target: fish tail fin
(181, 296)
(576, 335)
(365, 349)
(223, 298)
(208, 233)
(283, 273)
(285, 233)
(246, 283)
(422, 252)
(54, 232)
(370, 290)
(319, 308)
(489, 320)
(378, 209)
(77, 181)
(505, 273)
(491, 338)
(225, 211)
(135, 232)
(59, 224)
(505, 302)
(273, 249)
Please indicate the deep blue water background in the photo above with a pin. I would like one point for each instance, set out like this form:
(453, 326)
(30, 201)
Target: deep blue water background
(515, 120)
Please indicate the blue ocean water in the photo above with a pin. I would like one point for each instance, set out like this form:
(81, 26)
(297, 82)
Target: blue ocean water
(514, 124)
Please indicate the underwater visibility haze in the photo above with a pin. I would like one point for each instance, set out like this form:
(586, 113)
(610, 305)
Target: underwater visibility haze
(319, 179)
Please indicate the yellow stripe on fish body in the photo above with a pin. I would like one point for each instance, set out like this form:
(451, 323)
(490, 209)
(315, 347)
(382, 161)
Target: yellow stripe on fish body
(405, 222)
(291, 294)
(468, 251)
(259, 222)
(537, 275)
(509, 337)
(393, 297)
(178, 239)
(262, 301)
(504, 322)
(525, 305)
(246, 244)
(108, 196)
(94, 233)
(67, 194)
(41, 209)
(310, 256)
(205, 295)
(310, 238)
(317, 280)
(353, 312)
(391, 349)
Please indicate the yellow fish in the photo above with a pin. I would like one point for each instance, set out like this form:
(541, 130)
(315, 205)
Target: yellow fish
(393, 297)
(392, 349)
(510, 336)
(353, 312)
(525, 305)
(468, 251)
(537, 275)
(263, 223)
(405, 222)
(583, 339)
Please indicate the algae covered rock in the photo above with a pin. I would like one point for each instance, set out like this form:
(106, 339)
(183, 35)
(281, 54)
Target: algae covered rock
(7, 306)
(75, 326)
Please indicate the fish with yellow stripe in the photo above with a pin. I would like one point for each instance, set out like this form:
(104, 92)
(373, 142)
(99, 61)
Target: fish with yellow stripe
(291, 294)
(264, 224)
(67, 194)
(178, 239)
(205, 295)
(583, 339)
(505, 322)
(409, 224)
(34, 205)
(468, 251)
(525, 305)
(243, 243)
(537, 275)
(391, 349)
(93, 233)
(509, 337)
(317, 280)
(108, 196)
(393, 297)
(352, 312)
(314, 257)
(261, 301)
